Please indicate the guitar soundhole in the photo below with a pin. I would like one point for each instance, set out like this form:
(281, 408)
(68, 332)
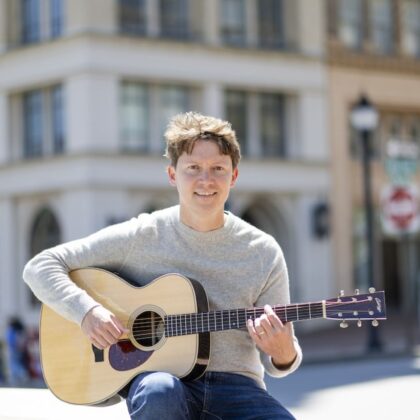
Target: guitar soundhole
(148, 329)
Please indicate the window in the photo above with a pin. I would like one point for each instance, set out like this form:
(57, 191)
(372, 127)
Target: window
(41, 19)
(381, 24)
(31, 28)
(174, 21)
(135, 116)
(133, 16)
(270, 23)
(258, 119)
(58, 128)
(394, 127)
(172, 101)
(145, 113)
(350, 28)
(45, 234)
(413, 134)
(411, 27)
(272, 132)
(233, 22)
(33, 123)
(236, 115)
(56, 18)
(43, 122)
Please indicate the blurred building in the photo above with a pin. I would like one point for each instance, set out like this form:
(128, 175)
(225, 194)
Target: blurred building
(374, 49)
(87, 88)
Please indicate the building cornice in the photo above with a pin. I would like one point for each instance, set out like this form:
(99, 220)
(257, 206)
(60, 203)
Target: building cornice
(341, 56)
(106, 171)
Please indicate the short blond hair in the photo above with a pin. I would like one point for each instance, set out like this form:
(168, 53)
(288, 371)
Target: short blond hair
(185, 129)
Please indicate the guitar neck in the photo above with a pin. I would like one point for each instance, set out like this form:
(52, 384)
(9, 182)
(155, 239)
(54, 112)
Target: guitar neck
(184, 324)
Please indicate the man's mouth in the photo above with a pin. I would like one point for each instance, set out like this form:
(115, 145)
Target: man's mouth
(205, 194)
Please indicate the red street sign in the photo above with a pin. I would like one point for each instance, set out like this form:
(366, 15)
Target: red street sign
(400, 209)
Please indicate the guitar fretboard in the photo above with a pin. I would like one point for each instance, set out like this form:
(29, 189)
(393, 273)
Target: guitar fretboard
(184, 324)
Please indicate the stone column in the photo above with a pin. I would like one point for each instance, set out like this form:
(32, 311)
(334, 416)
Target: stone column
(92, 110)
(213, 100)
(4, 130)
(9, 302)
(94, 16)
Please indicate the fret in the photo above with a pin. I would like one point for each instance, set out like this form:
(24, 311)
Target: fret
(221, 320)
(193, 318)
(166, 323)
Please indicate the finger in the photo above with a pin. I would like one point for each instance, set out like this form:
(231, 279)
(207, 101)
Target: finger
(108, 337)
(99, 341)
(265, 324)
(122, 328)
(97, 344)
(114, 329)
(274, 320)
(252, 331)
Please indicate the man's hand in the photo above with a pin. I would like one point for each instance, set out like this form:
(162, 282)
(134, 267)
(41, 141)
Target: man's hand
(102, 327)
(273, 337)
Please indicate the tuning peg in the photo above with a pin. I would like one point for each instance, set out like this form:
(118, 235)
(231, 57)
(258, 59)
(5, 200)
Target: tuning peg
(375, 323)
(359, 323)
(372, 290)
(357, 291)
(344, 324)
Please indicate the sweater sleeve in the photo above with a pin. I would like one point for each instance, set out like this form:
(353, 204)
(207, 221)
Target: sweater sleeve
(47, 273)
(276, 292)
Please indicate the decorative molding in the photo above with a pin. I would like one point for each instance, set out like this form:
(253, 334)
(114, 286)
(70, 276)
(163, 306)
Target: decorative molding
(342, 56)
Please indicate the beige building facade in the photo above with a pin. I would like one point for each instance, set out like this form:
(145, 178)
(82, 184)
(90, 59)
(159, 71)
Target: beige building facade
(374, 50)
(87, 88)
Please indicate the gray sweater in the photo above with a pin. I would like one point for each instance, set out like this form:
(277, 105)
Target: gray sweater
(238, 265)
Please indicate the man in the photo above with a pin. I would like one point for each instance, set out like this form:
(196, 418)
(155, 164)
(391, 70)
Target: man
(238, 265)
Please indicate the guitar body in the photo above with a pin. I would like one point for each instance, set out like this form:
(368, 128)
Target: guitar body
(79, 373)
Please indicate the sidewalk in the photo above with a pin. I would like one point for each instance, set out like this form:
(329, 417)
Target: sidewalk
(40, 404)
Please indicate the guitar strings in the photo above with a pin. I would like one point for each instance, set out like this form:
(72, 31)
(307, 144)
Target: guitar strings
(301, 311)
(224, 317)
(212, 322)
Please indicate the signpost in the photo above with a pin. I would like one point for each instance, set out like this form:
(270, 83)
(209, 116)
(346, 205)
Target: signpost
(400, 209)
(400, 212)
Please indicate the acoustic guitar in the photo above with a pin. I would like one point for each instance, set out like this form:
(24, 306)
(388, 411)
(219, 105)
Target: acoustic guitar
(169, 325)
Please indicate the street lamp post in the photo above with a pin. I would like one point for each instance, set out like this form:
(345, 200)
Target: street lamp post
(364, 118)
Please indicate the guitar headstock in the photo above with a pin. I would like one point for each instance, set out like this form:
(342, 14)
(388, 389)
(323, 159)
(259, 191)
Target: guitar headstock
(359, 307)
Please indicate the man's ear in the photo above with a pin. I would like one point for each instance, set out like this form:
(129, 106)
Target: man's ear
(234, 177)
(170, 170)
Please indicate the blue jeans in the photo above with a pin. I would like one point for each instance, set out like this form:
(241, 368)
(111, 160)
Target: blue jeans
(216, 395)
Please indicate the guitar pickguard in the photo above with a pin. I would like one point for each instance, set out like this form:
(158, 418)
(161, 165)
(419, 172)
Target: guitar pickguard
(124, 356)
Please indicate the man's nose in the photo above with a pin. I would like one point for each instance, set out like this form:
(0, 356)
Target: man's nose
(205, 175)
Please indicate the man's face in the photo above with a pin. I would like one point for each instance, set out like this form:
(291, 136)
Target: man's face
(203, 180)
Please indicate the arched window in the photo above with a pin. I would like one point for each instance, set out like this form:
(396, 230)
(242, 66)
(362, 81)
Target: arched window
(45, 233)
